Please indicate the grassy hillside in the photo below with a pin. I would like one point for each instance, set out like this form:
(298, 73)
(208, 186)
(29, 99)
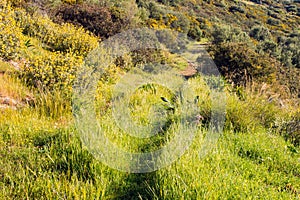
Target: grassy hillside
(255, 46)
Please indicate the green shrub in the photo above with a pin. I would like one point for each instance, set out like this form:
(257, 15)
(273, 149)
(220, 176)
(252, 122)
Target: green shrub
(291, 8)
(238, 116)
(63, 38)
(236, 9)
(269, 47)
(11, 38)
(289, 128)
(10, 42)
(260, 33)
(169, 2)
(51, 71)
(240, 64)
(289, 77)
(181, 23)
(195, 32)
(273, 14)
(273, 22)
(155, 11)
(290, 50)
(227, 33)
(102, 21)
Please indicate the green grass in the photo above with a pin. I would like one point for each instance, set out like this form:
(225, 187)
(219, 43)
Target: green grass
(5, 67)
(12, 87)
(42, 157)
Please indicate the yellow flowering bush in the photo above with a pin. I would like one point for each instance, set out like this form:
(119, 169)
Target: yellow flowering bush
(11, 38)
(64, 38)
(52, 70)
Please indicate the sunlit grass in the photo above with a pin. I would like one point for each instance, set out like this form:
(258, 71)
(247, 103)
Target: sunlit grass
(42, 156)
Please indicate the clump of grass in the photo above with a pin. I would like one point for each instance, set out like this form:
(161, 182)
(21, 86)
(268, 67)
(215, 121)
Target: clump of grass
(54, 104)
(5, 67)
(238, 116)
(289, 128)
(11, 85)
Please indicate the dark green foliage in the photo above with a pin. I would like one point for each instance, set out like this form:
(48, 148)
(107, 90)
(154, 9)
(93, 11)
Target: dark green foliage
(260, 33)
(182, 24)
(236, 9)
(274, 14)
(291, 8)
(270, 47)
(290, 129)
(169, 2)
(102, 21)
(142, 3)
(195, 32)
(155, 11)
(226, 33)
(273, 22)
(290, 50)
(238, 63)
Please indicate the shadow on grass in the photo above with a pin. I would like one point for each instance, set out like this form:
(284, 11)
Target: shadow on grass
(70, 159)
(67, 155)
(141, 186)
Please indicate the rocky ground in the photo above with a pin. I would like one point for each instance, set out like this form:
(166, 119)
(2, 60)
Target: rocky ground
(8, 101)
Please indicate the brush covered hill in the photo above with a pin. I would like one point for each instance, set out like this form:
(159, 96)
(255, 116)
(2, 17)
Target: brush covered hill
(256, 47)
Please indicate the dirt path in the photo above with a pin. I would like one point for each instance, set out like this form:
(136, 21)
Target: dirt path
(199, 61)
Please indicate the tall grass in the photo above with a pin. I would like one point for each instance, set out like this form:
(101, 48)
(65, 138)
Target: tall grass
(12, 87)
(54, 104)
(41, 160)
(42, 157)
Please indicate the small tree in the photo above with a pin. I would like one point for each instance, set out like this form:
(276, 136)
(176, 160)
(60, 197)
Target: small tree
(227, 33)
(240, 64)
(260, 33)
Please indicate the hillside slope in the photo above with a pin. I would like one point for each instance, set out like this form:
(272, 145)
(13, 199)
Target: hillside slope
(255, 45)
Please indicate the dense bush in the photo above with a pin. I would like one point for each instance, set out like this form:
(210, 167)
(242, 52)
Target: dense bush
(239, 63)
(236, 9)
(260, 33)
(63, 38)
(289, 77)
(174, 21)
(290, 50)
(102, 21)
(51, 71)
(44, 69)
(289, 128)
(11, 38)
(181, 23)
(273, 22)
(227, 33)
(169, 2)
(291, 8)
(155, 11)
(270, 47)
(10, 43)
(17, 3)
(195, 32)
